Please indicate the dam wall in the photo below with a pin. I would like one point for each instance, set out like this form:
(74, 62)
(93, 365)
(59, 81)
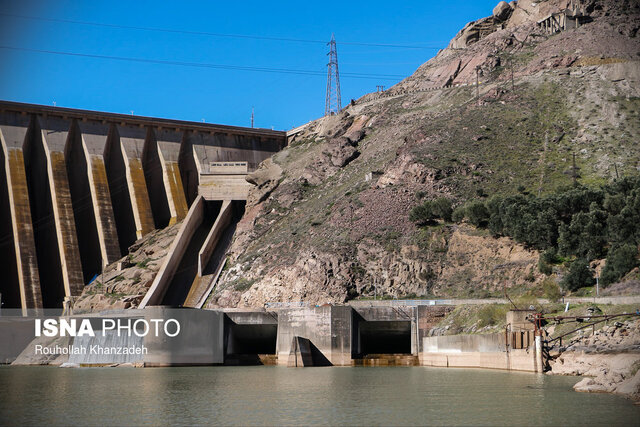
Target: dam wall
(79, 187)
(312, 336)
(491, 351)
(328, 328)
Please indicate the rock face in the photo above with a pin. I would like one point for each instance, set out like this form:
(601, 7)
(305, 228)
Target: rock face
(466, 264)
(124, 283)
(502, 11)
(265, 179)
(336, 227)
(609, 360)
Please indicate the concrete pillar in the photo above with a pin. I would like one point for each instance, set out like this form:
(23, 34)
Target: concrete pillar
(21, 281)
(160, 161)
(127, 183)
(169, 146)
(154, 175)
(54, 133)
(37, 166)
(93, 141)
(538, 353)
(82, 200)
(190, 164)
(328, 328)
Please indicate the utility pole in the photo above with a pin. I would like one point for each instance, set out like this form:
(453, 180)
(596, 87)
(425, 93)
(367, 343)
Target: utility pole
(252, 116)
(478, 84)
(513, 86)
(574, 171)
(333, 102)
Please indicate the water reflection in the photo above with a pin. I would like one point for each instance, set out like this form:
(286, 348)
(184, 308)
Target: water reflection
(272, 395)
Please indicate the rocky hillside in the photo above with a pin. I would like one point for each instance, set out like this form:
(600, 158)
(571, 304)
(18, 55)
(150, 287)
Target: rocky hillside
(328, 217)
(124, 283)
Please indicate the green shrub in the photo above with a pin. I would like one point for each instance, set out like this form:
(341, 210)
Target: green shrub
(442, 208)
(579, 275)
(550, 256)
(551, 290)
(620, 261)
(422, 214)
(492, 314)
(429, 211)
(477, 213)
(544, 267)
(458, 214)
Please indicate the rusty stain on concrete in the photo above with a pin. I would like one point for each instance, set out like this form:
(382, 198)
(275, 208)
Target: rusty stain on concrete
(177, 191)
(30, 292)
(143, 206)
(67, 226)
(106, 219)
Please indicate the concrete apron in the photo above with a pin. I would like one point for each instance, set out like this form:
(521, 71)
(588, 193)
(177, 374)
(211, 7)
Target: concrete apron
(296, 337)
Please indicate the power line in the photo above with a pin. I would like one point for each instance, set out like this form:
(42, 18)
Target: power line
(203, 33)
(207, 65)
(333, 101)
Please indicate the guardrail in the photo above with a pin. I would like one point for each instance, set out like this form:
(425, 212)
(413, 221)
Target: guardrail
(403, 302)
(291, 304)
(385, 303)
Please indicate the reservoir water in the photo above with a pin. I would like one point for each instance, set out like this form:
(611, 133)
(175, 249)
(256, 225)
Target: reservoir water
(266, 395)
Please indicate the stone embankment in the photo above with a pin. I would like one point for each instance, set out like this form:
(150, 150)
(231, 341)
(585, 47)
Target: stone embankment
(609, 359)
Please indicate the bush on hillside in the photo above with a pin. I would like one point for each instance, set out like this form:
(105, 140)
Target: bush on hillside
(477, 213)
(620, 261)
(579, 275)
(458, 214)
(427, 212)
(551, 290)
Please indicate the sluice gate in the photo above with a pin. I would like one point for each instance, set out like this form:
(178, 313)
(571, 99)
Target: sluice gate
(78, 187)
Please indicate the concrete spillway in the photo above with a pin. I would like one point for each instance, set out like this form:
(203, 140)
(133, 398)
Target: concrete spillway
(196, 256)
(77, 188)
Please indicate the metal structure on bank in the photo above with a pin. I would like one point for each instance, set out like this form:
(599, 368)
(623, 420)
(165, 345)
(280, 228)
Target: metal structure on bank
(333, 103)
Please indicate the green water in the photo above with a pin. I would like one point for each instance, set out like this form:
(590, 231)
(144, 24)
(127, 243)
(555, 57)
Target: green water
(275, 395)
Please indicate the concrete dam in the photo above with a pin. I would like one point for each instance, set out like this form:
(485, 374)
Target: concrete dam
(77, 188)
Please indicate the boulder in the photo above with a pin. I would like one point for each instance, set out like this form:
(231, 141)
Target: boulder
(265, 180)
(502, 11)
(341, 152)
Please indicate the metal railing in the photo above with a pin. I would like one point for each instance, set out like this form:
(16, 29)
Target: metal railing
(290, 304)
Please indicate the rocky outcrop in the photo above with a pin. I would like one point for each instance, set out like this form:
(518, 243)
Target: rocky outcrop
(124, 283)
(502, 11)
(341, 151)
(458, 262)
(265, 179)
(609, 359)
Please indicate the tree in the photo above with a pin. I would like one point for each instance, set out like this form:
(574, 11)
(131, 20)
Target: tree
(586, 235)
(442, 208)
(477, 213)
(495, 207)
(579, 275)
(422, 214)
(429, 211)
(458, 214)
(620, 261)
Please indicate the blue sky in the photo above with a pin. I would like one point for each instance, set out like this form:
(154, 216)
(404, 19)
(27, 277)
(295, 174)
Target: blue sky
(281, 101)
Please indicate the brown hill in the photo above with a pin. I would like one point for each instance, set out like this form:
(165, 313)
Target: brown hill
(336, 225)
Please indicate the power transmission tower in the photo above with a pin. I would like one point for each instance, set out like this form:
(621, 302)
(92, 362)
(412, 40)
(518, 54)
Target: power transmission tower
(333, 103)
